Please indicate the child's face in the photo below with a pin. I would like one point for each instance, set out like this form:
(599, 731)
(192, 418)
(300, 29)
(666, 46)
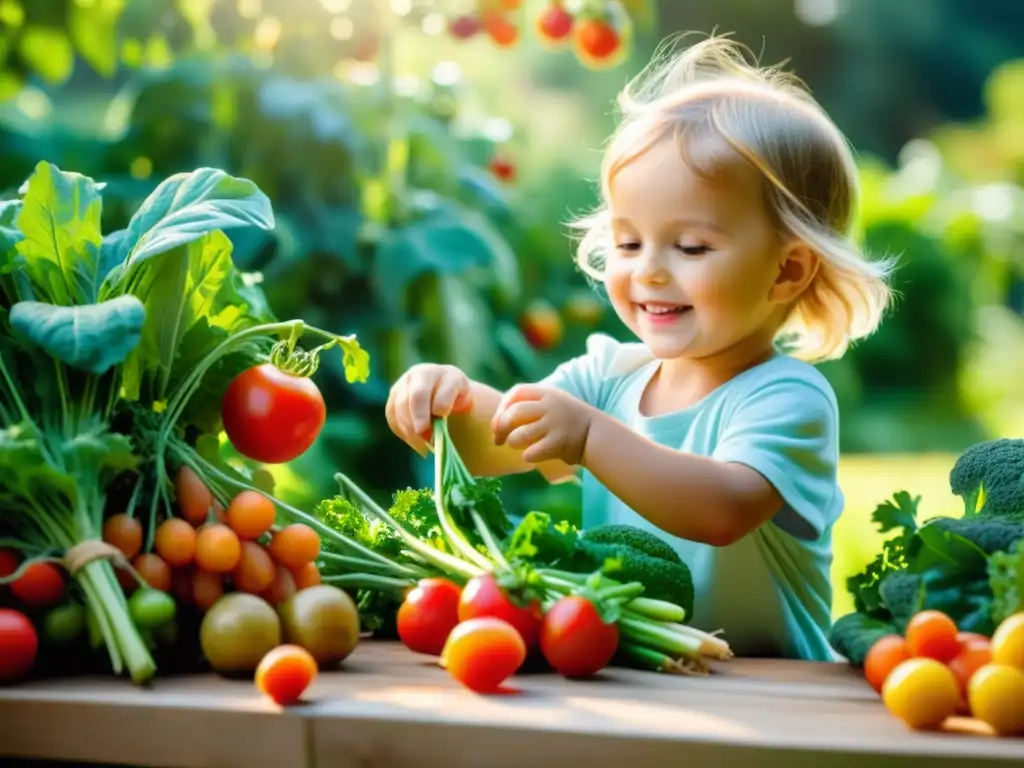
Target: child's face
(693, 261)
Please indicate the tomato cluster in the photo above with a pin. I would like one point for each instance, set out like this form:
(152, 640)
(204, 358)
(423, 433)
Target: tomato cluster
(483, 635)
(934, 671)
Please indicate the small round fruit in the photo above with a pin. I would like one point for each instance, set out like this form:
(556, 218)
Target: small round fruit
(575, 639)
(281, 587)
(428, 615)
(885, 655)
(238, 631)
(206, 589)
(125, 533)
(1008, 641)
(218, 549)
(153, 570)
(285, 673)
(19, 643)
(175, 542)
(484, 597)
(975, 653)
(554, 24)
(151, 608)
(921, 692)
(255, 569)
(306, 576)
(294, 545)
(483, 653)
(996, 697)
(322, 619)
(250, 514)
(41, 585)
(933, 635)
(193, 496)
(271, 416)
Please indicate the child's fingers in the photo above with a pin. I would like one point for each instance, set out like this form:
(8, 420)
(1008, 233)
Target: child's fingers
(523, 437)
(452, 392)
(421, 396)
(515, 415)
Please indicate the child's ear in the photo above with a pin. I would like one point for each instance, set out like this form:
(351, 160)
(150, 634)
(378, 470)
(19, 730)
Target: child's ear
(798, 264)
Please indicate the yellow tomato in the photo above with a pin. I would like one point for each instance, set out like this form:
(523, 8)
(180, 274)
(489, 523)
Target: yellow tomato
(996, 697)
(1008, 642)
(921, 692)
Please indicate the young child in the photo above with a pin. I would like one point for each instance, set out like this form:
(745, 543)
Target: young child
(728, 198)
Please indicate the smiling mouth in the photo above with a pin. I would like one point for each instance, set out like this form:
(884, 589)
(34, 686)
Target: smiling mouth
(661, 310)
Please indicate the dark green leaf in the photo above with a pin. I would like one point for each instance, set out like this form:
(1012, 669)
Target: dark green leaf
(185, 207)
(935, 547)
(60, 222)
(91, 337)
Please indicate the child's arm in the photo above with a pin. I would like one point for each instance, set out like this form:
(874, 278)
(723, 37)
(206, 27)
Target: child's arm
(689, 496)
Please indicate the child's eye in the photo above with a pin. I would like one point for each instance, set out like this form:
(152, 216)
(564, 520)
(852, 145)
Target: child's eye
(628, 246)
(694, 250)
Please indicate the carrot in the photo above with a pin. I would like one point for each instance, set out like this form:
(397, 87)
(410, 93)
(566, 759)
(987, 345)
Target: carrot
(154, 571)
(255, 569)
(295, 545)
(218, 549)
(125, 533)
(175, 542)
(250, 514)
(194, 498)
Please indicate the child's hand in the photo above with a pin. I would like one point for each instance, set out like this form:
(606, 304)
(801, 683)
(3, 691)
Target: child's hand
(423, 393)
(545, 423)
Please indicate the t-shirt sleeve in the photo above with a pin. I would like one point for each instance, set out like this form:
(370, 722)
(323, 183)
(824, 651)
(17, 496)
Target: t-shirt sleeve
(583, 377)
(787, 430)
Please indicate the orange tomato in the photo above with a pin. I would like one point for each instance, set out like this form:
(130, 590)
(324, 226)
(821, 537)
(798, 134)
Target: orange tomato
(250, 514)
(306, 576)
(885, 655)
(218, 549)
(154, 571)
(125, 533)
(285, 673)
(175, 542)
(482, 653)
(975, 652)
(932, 634)
(207, 588)
(281, 588)
(295, 545)
(255, 569)
(194, 498)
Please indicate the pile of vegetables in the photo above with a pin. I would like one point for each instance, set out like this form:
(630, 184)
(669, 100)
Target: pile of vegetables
(466, 584)
(935, 671)
(971, 568)
(122, 359)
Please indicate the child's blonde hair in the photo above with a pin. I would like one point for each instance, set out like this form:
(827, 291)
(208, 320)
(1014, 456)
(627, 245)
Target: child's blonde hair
(717, 105)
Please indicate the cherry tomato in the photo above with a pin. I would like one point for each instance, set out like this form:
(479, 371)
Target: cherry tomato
(554, 24)
(285, 673)
(975, 652)
(306, 576)
(1008, 642)
(9, 562)
(250, 514)
(153, 570)
(885, 655)
(255, 569)
(428, 615)
(483, 597)
(295, 545)
(125, 533)
(996, 697)
(542, 325)
(175, 542)
(41, 585)
(503, 33)
(218, 549)
(921, 692)
(464, 27)
(19, 643)
(193, 496)
(933, 635)
(271, 416)
(281, 588)
(483, 653)
(596, 40)
(574, 638)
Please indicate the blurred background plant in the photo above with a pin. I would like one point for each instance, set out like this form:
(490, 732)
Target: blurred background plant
(424, 156)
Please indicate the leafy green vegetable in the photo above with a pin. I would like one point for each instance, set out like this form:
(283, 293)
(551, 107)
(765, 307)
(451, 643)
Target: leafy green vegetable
(989, 477)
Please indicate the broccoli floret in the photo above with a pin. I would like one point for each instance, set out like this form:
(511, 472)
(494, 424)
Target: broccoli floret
(989, 534)
(1006, 580)
(636, 538)
(989, 477)
(663, 579)
(853, 635)
(903, 594)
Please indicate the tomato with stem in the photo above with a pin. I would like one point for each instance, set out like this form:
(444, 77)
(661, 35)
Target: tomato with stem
(484, 597)
(428, 615)
(294, 545)
(272, 416)
(250, 514)
(975, 652)
(153, 570)
(218, 549)
(575, 640)
(193, 496)
(125, 533)
(483, 653)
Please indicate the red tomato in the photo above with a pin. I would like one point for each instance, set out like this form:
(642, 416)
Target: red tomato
(9, 562)
(18, 645)
(554, 24)
(428, 615)
(975, 652)
(932, 634)
(483, 653)
(596, 39)
(574, 638)
(39, 586)
(271, 416)
(483, 597)
(885, 655)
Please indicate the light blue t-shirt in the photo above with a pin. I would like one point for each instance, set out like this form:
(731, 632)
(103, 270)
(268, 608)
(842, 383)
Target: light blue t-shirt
(770, 592)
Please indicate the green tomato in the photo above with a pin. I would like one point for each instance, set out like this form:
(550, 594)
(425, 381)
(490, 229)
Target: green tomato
(64, 624)
(151, 608)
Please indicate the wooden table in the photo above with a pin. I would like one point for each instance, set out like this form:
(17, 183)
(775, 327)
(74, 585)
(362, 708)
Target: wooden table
(389, 707)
